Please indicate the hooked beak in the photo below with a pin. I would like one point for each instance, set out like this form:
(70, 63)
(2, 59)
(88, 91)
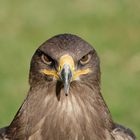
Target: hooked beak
(66, 77)
(66, 69)
(66, 72)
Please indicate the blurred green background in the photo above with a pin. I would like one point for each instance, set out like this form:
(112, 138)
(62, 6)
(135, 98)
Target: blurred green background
(111, 26)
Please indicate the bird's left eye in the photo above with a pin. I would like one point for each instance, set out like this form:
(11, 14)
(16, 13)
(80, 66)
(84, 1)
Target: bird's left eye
(46, 59)
(85, 59)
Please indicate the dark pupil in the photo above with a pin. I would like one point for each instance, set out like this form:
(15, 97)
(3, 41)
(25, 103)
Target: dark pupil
(84, 58)
(47, 59)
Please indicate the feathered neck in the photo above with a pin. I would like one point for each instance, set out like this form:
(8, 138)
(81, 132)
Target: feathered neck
(48, 114)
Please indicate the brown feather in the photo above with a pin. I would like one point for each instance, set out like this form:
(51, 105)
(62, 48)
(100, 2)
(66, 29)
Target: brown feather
(47, 114)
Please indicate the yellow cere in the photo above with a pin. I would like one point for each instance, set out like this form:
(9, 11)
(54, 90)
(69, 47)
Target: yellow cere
(66, 59)
(51, 73)
(80, 72)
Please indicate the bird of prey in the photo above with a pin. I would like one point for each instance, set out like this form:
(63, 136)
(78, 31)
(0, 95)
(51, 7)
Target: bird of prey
(64, 101)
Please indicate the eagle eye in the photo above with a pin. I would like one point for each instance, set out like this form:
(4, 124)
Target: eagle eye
(46, 59)
(85, 59)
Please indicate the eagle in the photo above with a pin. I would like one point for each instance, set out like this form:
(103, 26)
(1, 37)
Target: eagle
(64, 101)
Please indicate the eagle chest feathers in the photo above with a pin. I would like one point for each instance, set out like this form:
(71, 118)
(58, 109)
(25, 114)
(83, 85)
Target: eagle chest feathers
(77, 116)
(64, 101)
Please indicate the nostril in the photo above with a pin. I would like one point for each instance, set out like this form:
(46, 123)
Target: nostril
(66, 73)
(62, 75)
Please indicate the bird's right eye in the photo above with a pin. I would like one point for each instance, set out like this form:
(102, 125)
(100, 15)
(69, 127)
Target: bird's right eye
(46, 59)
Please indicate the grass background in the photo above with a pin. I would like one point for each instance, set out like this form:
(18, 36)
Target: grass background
(111, 26)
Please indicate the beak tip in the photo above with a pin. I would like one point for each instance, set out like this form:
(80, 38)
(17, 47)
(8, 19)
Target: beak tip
(66, 76)
(66, 91)
(66, 94)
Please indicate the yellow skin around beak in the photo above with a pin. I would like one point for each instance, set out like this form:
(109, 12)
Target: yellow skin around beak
(66, 59)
